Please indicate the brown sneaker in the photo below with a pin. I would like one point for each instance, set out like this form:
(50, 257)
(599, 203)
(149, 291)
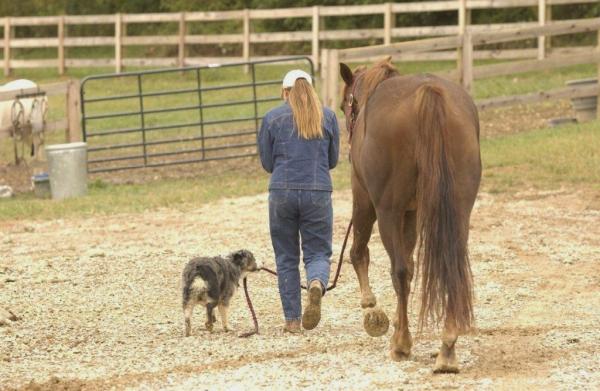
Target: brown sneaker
(312, 312)
(292, 327)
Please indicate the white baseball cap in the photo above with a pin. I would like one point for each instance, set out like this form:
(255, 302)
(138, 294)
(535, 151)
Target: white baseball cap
(291, 77)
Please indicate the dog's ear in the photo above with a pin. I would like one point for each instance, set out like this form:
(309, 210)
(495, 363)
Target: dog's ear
(238, 257)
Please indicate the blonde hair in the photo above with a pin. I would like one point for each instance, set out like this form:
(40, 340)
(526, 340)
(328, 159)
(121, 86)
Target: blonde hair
(307, 109)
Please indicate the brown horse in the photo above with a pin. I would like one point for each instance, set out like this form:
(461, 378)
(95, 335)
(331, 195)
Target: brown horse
(416, 169)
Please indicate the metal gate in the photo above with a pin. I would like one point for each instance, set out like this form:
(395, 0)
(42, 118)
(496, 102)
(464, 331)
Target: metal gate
(179, 115)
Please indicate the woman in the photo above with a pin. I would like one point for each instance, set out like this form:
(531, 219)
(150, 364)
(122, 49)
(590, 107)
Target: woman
(299, 144)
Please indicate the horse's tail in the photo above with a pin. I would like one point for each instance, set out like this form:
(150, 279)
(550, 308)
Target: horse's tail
(446, 280)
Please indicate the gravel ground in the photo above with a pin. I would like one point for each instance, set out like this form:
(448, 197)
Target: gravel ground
(98, 302)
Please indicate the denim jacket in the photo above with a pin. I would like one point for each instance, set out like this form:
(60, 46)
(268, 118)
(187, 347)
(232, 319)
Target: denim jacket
(294, 162)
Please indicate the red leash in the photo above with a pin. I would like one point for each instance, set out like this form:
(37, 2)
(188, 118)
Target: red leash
(332, 286)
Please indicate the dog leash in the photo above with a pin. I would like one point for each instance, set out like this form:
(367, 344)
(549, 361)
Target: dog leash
(331, 287)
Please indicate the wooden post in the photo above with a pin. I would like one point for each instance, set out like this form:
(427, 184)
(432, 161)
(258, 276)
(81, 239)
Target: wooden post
(315, 36)
(548, 20)
(467, 61)
(334, 86)
(118, 42)
(73, 112)
(7, 33)
(181, 43)
(61, 45)
(464, 20)
(598, 76)
(325, 76)
(388, 24)
(542, 21)
(246, 44)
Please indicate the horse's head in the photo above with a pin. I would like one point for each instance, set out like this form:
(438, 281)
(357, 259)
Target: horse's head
(359, 85)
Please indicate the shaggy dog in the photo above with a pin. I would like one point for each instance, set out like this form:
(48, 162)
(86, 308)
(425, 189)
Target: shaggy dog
(212, 282)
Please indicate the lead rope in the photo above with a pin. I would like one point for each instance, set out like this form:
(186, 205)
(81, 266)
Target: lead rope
(331, 287)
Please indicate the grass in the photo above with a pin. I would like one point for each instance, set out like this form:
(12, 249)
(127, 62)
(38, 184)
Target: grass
(105, 198)
(546, 158)
(542, 159)
(182, 194)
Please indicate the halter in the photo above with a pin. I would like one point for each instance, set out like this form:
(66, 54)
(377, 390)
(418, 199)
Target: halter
(353, 113)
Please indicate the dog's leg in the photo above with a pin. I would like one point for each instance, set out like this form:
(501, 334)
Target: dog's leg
(210, 316)
(223, 312)
(187, 315)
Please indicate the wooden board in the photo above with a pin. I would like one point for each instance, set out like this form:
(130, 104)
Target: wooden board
(559, 93)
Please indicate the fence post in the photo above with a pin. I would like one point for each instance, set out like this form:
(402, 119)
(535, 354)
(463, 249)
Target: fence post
(118, 42)
(542, 22)
(333, 89)
(598, 76)
(467, 61)
(246, 45)
(315, 36)
(325, 76)
(388, 24)
(181, 43)
(464, 19)
(549, 21)
(7, 33)
(73, 111)
(61, 45)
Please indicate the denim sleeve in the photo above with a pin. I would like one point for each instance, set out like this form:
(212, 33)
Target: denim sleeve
(334, 145)
(265, 145)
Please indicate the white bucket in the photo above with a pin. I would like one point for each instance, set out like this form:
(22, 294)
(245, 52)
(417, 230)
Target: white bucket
(67, 167)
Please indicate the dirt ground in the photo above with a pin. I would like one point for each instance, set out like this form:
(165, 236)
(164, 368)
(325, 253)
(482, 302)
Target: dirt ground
(99, 304)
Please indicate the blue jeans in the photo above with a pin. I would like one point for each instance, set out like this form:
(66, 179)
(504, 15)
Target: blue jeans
(295, 214)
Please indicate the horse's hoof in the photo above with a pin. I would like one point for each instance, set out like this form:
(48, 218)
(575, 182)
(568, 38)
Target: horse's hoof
(375, 322)
(443, 365)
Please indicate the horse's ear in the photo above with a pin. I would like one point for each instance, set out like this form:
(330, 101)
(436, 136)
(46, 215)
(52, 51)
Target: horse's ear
(346, 74)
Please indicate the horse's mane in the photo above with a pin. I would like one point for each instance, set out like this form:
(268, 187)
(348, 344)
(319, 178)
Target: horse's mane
(373, 76)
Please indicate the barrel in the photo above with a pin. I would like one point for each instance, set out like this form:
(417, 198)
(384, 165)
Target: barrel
(67, 167)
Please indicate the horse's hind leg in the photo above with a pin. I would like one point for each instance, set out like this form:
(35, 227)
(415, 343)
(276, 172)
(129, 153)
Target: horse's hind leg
(446, 359)
(398, 235)
(375, 321)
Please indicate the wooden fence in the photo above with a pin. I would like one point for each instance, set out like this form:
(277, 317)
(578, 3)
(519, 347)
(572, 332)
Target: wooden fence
(71, 124)
(466, 72)
(318, 33)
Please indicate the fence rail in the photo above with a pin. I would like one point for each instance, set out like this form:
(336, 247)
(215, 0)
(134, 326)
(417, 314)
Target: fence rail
(466, 72)
(316, 35)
